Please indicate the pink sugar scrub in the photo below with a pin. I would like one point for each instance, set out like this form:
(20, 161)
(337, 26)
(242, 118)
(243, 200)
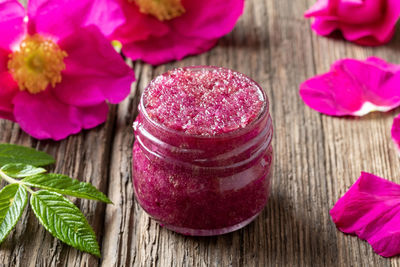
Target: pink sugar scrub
(202, 157)
(203, 101)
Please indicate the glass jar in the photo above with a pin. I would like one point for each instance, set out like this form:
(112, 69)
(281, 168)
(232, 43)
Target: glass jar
(202, 185)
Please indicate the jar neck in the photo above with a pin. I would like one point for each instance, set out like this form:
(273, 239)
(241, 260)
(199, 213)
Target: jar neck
(231, 150)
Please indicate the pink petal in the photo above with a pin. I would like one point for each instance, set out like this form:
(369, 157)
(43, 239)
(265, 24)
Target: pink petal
(60, 18)
(383, 64)
(208, 19)
(94, 72)
(354, 87)
(323, 27)
(396, 132)
(8, 88)
(156, 50)
(371, 210)
(137, 26)
(368, 22)
(11, 23)
(320, 8)
(92, 116)
(43, 116)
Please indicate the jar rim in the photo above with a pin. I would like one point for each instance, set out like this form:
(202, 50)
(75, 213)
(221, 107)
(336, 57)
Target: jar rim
(263, 112)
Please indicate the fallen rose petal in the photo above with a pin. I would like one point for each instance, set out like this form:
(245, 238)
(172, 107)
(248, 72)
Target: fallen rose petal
(383, 64)
(396, 132)
(370, 209)
(366, 22)
(354, 87)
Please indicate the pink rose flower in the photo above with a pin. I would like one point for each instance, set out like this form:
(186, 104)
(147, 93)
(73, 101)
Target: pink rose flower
(354, 87)
(365, 22)
(57, 69)
(371, 210)
(161, 31)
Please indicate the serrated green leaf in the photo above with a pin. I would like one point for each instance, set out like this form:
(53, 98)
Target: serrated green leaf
(13, 199)
(64, 221)
(66, 186)
(19, 154)
(20, 170)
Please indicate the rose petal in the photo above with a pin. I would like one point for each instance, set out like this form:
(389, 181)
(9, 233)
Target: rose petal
(156, 51)
(368, 22)
(208, 19)
(396, 132)
(8, 88)
(94, 71)
(138, 26)
(371, 210)
(354, 87)
(92, 116)
(43, 116)
(320, 8)
(61, 18)
(383, 64)
(11, 23)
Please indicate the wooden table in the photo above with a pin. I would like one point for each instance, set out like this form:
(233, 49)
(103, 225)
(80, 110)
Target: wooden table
(317, 159)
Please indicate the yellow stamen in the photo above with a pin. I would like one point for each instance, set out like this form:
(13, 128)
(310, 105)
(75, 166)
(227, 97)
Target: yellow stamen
(161, 9)
(37, 64)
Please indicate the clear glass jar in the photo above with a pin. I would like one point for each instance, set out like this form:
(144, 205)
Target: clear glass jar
(202, 185)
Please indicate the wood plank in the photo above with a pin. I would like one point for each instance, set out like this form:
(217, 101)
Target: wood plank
(316, 159)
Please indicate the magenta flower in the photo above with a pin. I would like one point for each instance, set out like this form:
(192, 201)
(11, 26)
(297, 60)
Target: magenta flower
(354, 87)
(57, 69)
(162, 31)
(371, 210)
(365, 22)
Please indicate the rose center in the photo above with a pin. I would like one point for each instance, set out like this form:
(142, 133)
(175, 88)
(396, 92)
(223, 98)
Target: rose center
(37, 64)
(161, 9)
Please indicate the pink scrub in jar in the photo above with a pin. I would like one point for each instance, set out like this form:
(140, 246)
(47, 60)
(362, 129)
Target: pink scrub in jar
(202, 158)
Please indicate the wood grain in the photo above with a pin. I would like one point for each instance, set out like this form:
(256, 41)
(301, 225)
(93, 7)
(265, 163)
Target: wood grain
(317, 158)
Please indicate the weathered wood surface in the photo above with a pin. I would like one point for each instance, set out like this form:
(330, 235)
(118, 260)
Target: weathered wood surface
(317, 159)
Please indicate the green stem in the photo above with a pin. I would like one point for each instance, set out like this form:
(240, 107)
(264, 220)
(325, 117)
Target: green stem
(27, 188)
(7, 178)
(10, 180)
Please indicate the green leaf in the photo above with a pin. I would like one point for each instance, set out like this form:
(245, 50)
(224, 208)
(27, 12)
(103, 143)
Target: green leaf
(20, 170)
(64, 221)
(66, 186)
(13, 199)
(19, 154)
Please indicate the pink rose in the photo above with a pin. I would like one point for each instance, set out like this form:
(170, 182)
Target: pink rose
(161, 31)
(365, 22)
(58, 70)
